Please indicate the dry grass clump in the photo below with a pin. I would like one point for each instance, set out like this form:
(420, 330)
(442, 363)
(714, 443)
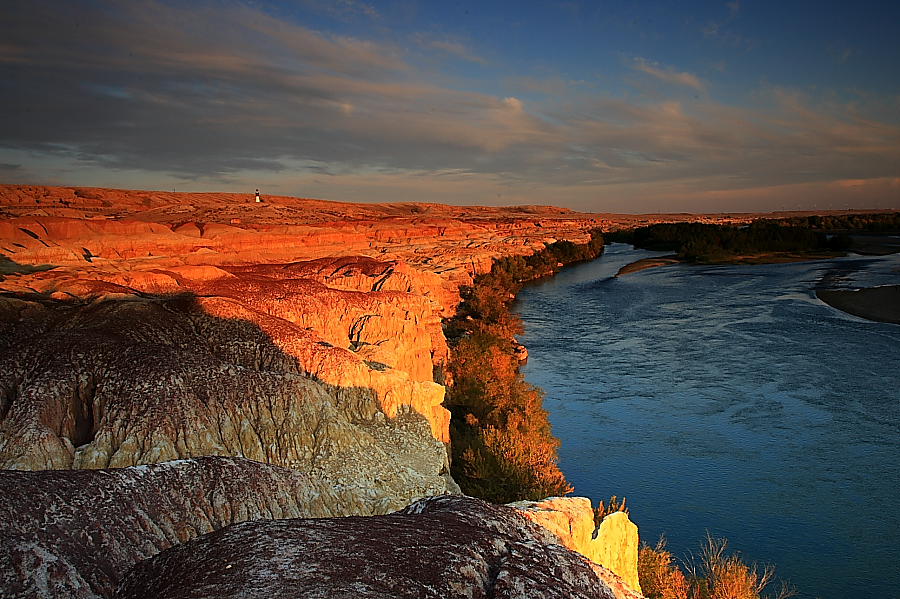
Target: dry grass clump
(715, 574)
(659, 575)
(605, 509)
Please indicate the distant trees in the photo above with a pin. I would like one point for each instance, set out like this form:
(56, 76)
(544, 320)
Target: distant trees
(870, 223)
(503, 449)
(700, 242)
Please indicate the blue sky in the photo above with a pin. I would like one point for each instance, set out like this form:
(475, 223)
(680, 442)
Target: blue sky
(598, 106)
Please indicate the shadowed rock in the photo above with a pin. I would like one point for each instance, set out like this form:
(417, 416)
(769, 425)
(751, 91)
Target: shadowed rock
(143, 380)
(436, 548)
(74, 533)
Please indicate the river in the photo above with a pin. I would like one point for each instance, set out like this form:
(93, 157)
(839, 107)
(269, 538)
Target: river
(729, 399)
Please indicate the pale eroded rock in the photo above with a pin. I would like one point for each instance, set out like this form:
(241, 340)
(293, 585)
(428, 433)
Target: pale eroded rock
(115, 383)
(613, 545)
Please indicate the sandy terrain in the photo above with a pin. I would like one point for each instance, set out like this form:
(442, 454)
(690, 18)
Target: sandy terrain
(881, 304)
(645, 263)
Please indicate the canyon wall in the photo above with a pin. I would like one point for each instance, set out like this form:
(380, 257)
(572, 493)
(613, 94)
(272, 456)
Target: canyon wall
(139, 327)
(142, 327)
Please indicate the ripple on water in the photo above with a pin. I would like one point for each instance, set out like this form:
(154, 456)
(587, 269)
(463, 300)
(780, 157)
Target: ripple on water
(731, 399)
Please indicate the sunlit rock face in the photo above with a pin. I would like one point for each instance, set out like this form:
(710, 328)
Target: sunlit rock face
(353, 294)
(74, 534)
(137, 380)
(614, 545)
(436, 548)
(138, 327)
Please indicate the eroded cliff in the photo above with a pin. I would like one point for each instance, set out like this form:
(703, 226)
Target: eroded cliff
(138, 380)
(131, 335)
(140, 327)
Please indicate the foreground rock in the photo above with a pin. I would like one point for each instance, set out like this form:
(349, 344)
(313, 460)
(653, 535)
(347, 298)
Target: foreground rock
(613, 545)
(75, 533)
(436, 548)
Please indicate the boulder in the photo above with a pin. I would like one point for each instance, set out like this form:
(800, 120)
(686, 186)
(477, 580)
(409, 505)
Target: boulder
(438, 548)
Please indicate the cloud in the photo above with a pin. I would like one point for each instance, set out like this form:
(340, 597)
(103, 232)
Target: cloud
(733, 9)
(449, 46)
(128, 93)
(722, 30)
(668, 75)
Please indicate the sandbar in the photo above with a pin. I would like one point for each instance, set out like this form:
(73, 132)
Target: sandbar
(881, 304)
(645, 263)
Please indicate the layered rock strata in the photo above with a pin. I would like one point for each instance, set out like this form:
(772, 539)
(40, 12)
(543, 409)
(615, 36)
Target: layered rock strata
(435, 548)
(138, 380)
(352, 295)
(74, 533)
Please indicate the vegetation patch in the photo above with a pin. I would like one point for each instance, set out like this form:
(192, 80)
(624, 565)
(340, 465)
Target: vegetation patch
(715, 574)
(502, 447)
(708, 243)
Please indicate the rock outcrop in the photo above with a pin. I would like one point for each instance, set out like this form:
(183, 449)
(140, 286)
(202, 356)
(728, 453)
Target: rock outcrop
(351, 295)
(435, 548)
(142, 327)
(74, 533)
(137, 380)
(614, 544)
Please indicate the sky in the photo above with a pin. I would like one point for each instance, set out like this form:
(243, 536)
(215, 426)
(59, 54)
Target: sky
(603, 106)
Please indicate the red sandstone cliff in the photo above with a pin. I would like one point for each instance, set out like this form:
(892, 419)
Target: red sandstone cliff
(354, 293)
(140, 327)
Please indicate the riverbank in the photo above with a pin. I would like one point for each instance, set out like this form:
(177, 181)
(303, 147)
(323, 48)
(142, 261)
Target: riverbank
(765, 258)
(502, 446)
(708, 395)
(881, 304)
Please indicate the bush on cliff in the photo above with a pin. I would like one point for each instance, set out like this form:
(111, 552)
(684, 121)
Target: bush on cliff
(717, 575)
(502, 447)
(659, 575)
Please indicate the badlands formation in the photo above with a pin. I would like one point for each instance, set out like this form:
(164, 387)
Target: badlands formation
(300, 340)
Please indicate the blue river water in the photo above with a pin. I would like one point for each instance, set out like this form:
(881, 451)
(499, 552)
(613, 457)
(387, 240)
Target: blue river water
(729, 399)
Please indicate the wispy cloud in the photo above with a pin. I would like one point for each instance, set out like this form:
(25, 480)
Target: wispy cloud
(733, 8)
(229, 93)
(668, 74)
(449, 46)
(342, 9)
(723, 30)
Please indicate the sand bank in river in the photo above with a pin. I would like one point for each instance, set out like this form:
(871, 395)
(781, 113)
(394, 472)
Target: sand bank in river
(876, 303)
(767, 258)
(645, 263)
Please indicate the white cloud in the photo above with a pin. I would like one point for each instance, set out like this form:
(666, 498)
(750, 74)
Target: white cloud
(668, 74)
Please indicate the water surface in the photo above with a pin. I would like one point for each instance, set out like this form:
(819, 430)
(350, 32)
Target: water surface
(730, 399)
